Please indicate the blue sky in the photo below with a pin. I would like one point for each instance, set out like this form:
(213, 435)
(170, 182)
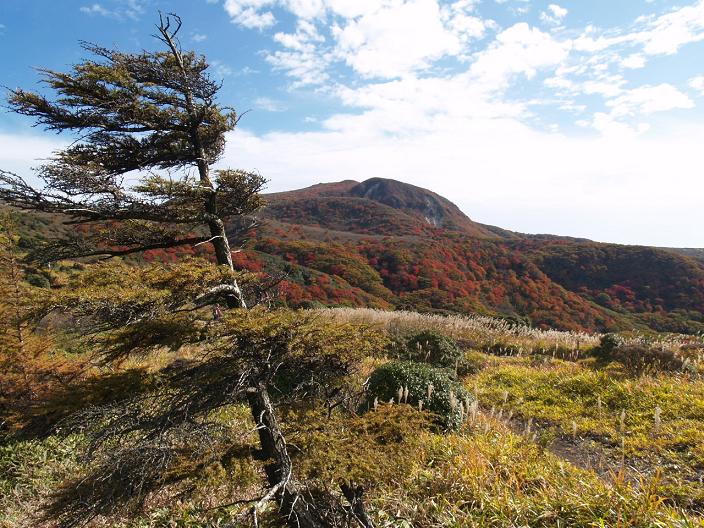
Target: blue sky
(582, 118)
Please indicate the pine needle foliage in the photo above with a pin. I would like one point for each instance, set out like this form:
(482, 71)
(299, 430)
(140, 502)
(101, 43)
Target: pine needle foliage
(142, 443)
(147, 128)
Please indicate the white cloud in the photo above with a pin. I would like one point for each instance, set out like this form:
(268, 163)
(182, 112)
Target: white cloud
(301, 57)
(98, 9)
(221, 69)
(697, 83)
(199, 37)
(633, 61)
(396, 39)
(554, 14)
(607, 86)
(375, 38)
(667, 33)
(411, 106)
(247, 13)
(121, 9)
(306, 9)
(269, 105)
(557, 11)
(657, 35)
(19, 152)
(519, 49)
(649, 99)
(610, 128)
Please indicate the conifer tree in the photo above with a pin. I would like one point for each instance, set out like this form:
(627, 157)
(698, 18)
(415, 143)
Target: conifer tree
(139, 176)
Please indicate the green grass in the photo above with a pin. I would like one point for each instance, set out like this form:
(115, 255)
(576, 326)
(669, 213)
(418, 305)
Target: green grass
(29, 471)
(564, 398)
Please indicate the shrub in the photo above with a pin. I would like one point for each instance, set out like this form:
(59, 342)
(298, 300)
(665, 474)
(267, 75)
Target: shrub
(39, 281)
(503, 349)
(473, 362)
(433, 347)
(609, 343)
(439, 393)
(640, 359)
(374, 449)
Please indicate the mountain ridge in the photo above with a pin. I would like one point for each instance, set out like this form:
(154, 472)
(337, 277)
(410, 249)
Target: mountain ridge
(428, 209)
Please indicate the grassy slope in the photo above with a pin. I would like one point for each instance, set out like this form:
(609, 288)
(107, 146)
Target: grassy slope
(490, 473)
(575, 404)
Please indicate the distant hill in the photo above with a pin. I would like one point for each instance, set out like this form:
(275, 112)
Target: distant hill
(690, 252)
(411, 248)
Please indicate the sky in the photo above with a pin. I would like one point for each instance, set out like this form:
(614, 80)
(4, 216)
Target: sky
(580, 118)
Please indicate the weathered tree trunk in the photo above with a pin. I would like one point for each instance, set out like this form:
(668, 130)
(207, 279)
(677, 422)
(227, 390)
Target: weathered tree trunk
(218, 235)
(224, 257)
(294, 506)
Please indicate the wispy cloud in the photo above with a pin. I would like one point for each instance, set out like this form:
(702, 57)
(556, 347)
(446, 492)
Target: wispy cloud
(269, 105)
(250, 13)
(554, 14)
(117, 9)
(221, 69)
(697, 83)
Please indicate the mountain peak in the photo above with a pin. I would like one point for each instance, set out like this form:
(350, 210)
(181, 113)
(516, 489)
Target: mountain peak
(434, 209)
(409, 198)
(380, 199)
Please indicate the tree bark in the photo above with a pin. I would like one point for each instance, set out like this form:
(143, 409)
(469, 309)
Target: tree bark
(223, 255)
(294, 506)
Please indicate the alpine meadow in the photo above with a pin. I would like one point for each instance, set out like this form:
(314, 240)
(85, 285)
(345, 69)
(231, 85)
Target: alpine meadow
(184, 343)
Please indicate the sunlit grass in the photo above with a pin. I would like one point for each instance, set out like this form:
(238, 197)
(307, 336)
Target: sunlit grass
(609, 411)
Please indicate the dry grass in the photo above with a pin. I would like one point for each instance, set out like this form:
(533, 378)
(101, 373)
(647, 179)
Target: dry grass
(502, 337)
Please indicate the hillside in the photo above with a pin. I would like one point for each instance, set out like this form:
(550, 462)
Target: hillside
(419, 251)
(376, 206)
(385, 244)
(696, 253)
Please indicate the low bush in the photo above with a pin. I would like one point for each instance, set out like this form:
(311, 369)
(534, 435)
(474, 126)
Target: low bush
(609, 343)
(641, 359)
(412, 383)
(430, 347)
(473, 362)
